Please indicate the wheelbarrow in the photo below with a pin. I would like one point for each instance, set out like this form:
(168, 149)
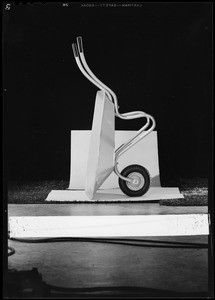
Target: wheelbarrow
(134, 180)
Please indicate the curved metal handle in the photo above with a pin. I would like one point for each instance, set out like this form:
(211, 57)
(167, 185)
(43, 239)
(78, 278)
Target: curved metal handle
(83, 67)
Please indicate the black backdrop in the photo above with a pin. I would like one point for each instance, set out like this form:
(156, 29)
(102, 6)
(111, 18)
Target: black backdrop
(157, 57)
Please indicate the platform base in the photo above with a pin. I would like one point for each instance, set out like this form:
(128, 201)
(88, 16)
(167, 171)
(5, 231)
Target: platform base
(114, 195)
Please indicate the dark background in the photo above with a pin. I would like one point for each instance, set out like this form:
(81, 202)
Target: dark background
(156, 57)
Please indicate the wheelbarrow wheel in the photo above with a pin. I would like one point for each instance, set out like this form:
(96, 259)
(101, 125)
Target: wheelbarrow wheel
(141, 182)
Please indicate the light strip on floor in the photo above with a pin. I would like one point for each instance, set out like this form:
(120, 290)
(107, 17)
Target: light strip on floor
(109, 226)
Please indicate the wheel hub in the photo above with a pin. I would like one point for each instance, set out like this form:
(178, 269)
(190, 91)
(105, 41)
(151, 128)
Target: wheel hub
(137, 181)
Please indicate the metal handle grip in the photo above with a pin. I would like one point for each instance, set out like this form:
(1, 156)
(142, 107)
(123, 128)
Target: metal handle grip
(75, 50)
(80, 44)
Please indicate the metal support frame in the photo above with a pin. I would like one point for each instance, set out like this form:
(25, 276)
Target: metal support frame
(150, 124)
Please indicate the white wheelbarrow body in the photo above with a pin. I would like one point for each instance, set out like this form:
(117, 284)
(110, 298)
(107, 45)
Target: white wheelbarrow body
(102, 145)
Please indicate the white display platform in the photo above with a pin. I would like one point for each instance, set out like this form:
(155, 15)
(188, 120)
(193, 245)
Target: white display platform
(114, 195)
(144, 153)
(109, 226)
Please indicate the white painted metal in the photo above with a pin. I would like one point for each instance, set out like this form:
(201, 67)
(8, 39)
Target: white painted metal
(109, 226)
(102, 144)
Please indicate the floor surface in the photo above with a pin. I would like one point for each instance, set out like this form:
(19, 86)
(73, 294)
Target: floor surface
(87, 264)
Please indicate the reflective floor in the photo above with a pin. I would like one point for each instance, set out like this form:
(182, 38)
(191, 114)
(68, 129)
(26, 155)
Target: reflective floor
(86, 264)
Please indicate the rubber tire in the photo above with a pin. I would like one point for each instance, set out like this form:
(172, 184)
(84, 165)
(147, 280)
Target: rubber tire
(134, 168)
